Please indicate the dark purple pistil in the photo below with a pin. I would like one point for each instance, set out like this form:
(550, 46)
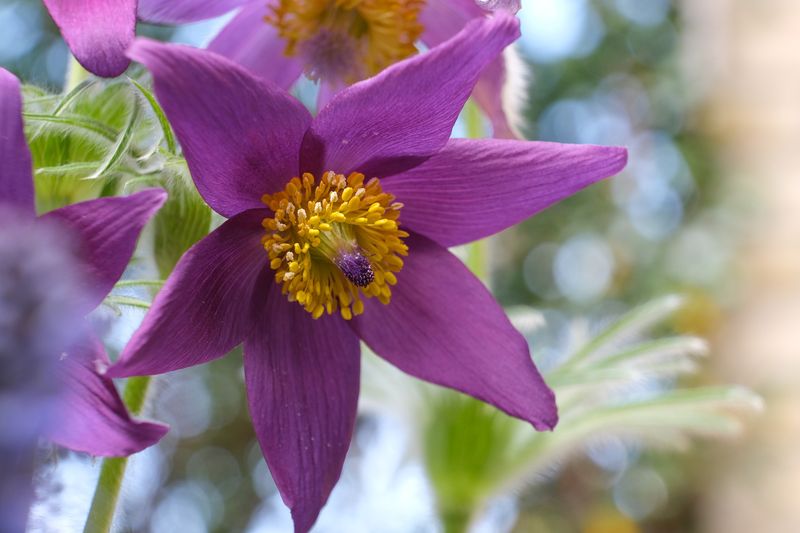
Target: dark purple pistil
(355, 268)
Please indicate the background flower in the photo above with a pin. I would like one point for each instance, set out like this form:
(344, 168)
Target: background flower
(92, 417)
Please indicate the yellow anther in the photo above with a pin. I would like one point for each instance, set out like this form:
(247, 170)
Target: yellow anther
(366, 36)
(347, 249)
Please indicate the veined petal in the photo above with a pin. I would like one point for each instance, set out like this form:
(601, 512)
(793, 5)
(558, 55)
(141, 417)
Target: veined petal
(182, 11)
(405, 114)
(106, 230)
(92, 417)
(443, 19)
(443, 326)
(97, 31)
(252, 43)
(302, 379)
(16, 169)
(240, 134)
(474, 188)
(207, 305)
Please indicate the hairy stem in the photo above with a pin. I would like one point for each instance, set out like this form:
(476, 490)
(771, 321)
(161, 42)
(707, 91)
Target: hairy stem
(106, 494)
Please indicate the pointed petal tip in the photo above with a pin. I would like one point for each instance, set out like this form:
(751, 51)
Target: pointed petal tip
(550, 421)
(154, 196)
(619, 156)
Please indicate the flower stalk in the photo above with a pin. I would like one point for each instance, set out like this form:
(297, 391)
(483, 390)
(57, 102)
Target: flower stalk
(112, 472)
(476, 251)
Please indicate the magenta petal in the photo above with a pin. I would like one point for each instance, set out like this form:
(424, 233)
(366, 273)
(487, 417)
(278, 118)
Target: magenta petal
(182, 11)
(488, 94)
(240, 135)
(405, 114)
(474, 188)
(16, 169)
(205, 308)
(92, 417)
(302, 378)
(443, 19)
(251, 42)
(97, 31)
(106, 230)
(443, 326)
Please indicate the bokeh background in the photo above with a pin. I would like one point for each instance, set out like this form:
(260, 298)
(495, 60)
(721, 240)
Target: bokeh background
(706, 96)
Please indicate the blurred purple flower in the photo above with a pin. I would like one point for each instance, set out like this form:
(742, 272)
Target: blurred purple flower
(328, 241)
(36, 322)
(91, 415)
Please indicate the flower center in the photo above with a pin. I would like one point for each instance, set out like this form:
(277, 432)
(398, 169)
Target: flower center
(333, 241)
(347, 40)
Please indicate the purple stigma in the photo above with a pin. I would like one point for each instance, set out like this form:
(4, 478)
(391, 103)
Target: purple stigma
(355, 268)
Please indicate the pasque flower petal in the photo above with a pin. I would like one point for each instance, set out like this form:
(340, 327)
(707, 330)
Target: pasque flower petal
(406, 113)
(474, 188)
(106, 230)
(16, 169)
(444, 326)
(240, 134)
(302, 378)
(444, 18)
(252, 43)
(97, 31)
(207, 305)
(182, 11)
(92, 417)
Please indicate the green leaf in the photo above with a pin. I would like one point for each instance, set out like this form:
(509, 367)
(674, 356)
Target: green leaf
(472, 452)
(116, 301)
(121, 147)
(166, 129)
(182, 221)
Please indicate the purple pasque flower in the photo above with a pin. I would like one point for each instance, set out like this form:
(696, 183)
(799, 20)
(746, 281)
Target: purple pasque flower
(339, 42)
(99, 31)
(92, 417)
(314, 257)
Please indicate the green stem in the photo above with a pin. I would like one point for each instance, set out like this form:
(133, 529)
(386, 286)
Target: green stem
(455, 520)
(106, 495)
(477, 252)
(76, 74)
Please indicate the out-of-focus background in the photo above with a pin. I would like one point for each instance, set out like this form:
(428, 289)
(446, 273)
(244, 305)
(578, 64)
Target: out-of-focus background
(706, 96)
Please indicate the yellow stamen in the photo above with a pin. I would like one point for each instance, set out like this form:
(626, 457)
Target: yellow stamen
(348, 39)
(345, 250)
